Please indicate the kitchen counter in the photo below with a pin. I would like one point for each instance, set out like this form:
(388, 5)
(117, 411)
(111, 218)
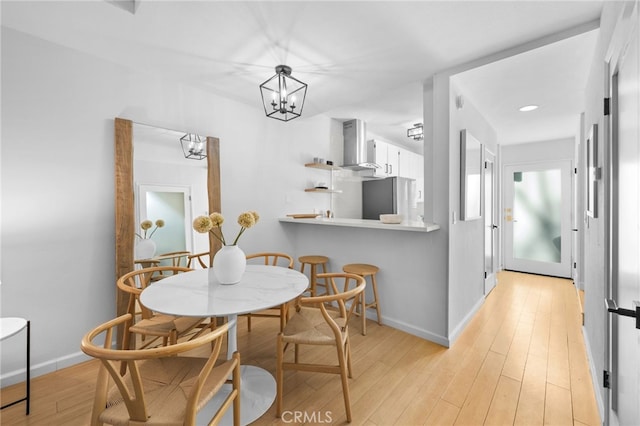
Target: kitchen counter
(365, 223)
(411, 279)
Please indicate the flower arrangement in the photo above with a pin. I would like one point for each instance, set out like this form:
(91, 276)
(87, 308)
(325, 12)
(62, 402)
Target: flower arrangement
(213, 224)
(146, 225)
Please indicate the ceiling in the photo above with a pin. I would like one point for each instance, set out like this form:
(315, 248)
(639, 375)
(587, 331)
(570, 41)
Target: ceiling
(361, 59)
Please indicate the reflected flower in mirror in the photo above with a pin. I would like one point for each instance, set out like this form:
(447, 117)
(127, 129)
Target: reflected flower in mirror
(146, 225)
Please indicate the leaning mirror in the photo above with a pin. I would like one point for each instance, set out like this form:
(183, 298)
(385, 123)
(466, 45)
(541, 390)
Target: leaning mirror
(470, 176)
(155, 180)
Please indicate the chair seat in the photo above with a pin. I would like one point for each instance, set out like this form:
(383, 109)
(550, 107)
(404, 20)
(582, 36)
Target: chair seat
(168, 382)
(308, 326)
(163, 324)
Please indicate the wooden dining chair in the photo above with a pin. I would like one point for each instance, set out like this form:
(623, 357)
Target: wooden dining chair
(146, 322)
(321, 321)
(174, 258)
(203, 259)
(273, 259)
(177, 258)
(162, 386)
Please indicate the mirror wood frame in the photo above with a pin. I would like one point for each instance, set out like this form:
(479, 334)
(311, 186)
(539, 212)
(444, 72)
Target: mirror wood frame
(124, 200)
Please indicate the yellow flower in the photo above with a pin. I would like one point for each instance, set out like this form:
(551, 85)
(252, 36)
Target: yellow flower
(216, 219)
(256, 216)
(146, 225)
(202, 224)
(213, 224)
(246, 220)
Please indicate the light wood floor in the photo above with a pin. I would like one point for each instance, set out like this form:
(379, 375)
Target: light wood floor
(521, 360)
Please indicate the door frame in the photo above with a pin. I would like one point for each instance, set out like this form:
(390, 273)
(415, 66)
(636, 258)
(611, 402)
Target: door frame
(628, 21)
(566, 165)
(141, 196)
(490, 278)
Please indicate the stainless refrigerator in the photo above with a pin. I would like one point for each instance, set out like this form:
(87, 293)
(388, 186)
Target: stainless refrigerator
(393, 195)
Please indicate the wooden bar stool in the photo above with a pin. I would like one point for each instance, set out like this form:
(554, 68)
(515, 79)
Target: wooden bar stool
(314, 261)
(365, 270)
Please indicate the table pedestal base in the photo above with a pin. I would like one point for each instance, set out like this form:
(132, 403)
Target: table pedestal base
(257, 393)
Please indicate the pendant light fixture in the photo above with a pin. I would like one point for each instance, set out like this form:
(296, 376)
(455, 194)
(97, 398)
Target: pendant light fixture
(283, 95)
(193, 146)
(416, 132)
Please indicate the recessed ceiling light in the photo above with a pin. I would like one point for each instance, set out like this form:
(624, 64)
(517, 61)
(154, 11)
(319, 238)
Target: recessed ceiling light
(528, 108)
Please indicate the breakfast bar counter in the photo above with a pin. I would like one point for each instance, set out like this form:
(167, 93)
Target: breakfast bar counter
(412, 282)
(414, 226)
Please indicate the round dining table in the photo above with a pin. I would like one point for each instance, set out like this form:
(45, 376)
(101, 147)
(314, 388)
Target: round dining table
(198, 293)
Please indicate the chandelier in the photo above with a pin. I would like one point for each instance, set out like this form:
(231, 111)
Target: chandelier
(416, 132)
(283, 95)
(193, 146)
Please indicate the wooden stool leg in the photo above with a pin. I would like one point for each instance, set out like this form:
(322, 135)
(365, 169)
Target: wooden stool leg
(363, 313)
(326, 283)
(375, 298)
(313, 280)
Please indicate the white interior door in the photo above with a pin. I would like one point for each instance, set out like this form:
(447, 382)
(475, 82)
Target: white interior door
(173, 205)
(537, 219)
(490, 223)
(624, 230)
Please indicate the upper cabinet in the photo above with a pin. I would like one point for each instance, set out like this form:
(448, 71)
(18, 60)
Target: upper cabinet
(387, 157)
(396, 161)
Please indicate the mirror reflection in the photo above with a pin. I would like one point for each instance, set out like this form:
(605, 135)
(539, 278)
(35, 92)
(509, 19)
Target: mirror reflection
(470, 174)
(168, 187)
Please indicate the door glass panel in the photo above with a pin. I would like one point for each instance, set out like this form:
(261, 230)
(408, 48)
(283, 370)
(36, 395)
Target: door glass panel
(537, 213)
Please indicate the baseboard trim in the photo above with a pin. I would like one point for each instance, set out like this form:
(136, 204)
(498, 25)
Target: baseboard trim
(18, 376)
(407, 328)
(462, 324)
(594, 376)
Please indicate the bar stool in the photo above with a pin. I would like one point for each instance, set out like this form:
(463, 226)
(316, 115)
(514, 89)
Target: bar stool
(365, 270)
(9, 327)
(314, 261)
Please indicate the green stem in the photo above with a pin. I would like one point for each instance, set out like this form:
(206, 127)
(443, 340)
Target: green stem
(220, 238)
(154, 231)
(238, 237)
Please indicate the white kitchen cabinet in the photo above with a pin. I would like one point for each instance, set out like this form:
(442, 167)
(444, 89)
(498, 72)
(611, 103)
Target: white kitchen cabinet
(387, 157)
(393, 159)
(406, 167)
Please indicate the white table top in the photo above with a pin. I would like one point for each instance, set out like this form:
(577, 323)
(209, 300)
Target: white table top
(10, 326)
(197, 293)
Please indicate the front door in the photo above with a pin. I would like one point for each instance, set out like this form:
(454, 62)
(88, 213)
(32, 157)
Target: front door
(537, 218)
(624, 230)
(490, 227)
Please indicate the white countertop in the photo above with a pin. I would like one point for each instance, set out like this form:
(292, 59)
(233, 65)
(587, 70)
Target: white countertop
(365, 223)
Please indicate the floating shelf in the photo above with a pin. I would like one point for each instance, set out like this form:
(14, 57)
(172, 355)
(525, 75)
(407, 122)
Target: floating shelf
(322, 166)
(328, 191)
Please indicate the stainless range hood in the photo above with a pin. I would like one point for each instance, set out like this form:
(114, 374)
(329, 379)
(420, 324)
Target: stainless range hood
(358, 155)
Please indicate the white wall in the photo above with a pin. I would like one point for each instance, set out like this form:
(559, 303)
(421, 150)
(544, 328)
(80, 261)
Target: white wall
(58, 107)
(466, 240)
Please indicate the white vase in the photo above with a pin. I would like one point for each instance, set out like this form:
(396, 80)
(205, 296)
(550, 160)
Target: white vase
(145, 249)
(229, 264)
